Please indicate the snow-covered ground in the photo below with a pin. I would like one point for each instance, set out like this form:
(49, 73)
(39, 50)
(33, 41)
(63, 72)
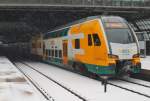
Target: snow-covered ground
(14, 86)
(146, 63)
(55, 91)
(88, 88)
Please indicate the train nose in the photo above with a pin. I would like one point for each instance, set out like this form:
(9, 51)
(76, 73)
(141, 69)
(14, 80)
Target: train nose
(124, 67)
(127, 67)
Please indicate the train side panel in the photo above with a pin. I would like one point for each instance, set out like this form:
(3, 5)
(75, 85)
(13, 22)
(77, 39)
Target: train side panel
(53, 50)
(82, 44)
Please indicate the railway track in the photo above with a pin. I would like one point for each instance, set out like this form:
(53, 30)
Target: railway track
(140, 84)
(144, 75)
(41, 90)
(51, 79)
(131, 86)
(134, 85)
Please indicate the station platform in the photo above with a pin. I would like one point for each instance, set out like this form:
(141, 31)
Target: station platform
(14, 86)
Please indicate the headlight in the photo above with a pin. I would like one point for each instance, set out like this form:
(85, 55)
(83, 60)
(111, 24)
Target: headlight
(113, 56)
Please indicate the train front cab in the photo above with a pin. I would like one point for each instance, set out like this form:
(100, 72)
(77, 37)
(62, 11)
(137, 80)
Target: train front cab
(123, 54)
(106, 46)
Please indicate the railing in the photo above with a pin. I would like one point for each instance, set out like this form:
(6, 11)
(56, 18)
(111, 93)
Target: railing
(129, 3)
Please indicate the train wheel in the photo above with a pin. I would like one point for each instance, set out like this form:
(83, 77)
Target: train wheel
(80, 68)
(93, 76)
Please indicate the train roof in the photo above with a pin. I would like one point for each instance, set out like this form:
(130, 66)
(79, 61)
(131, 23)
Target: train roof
(105, 18)
(73, 23)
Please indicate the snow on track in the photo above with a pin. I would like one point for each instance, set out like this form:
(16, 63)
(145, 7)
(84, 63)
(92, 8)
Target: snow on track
(138, 81)
(86, 87)
(14, 86)
(57, 92)
(139, 89)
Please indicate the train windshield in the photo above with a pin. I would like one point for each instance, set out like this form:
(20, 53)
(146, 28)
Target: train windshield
(118, 31)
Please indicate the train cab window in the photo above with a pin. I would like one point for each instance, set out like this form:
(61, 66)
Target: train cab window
(77, 43)
(56, 53)
(96, 40)
(60, 53)
(89, 40)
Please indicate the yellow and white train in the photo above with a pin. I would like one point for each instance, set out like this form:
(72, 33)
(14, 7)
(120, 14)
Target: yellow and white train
(102, 45)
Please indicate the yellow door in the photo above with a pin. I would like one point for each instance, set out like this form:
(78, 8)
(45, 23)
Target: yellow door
(65, 52)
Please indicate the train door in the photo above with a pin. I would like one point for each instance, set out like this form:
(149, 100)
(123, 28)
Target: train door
(97, 50)
(65, 51)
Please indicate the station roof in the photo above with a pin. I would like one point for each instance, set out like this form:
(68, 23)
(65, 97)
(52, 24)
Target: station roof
(20, 19)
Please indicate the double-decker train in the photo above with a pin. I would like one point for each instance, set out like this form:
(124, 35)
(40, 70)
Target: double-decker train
(102, 45)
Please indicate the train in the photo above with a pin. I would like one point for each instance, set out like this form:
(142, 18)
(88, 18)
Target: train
(105, 46)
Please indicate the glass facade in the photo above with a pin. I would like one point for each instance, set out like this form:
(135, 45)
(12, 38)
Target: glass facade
(142, 26)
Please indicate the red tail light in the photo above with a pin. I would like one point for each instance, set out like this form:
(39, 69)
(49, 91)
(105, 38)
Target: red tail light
(136, 56)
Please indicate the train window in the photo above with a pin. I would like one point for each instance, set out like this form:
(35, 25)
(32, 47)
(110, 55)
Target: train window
(60, 53)
(52, 53)
(123, 36)
(89, 40)
(77, 43)
(96, 40)
(56, 53)
(49, 52)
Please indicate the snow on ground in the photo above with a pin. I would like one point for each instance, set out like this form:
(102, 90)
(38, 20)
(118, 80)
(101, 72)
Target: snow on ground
(86, 87)
(131, 86)
(146, 63)
(55, 91)
(14, 86)
(146, 83)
